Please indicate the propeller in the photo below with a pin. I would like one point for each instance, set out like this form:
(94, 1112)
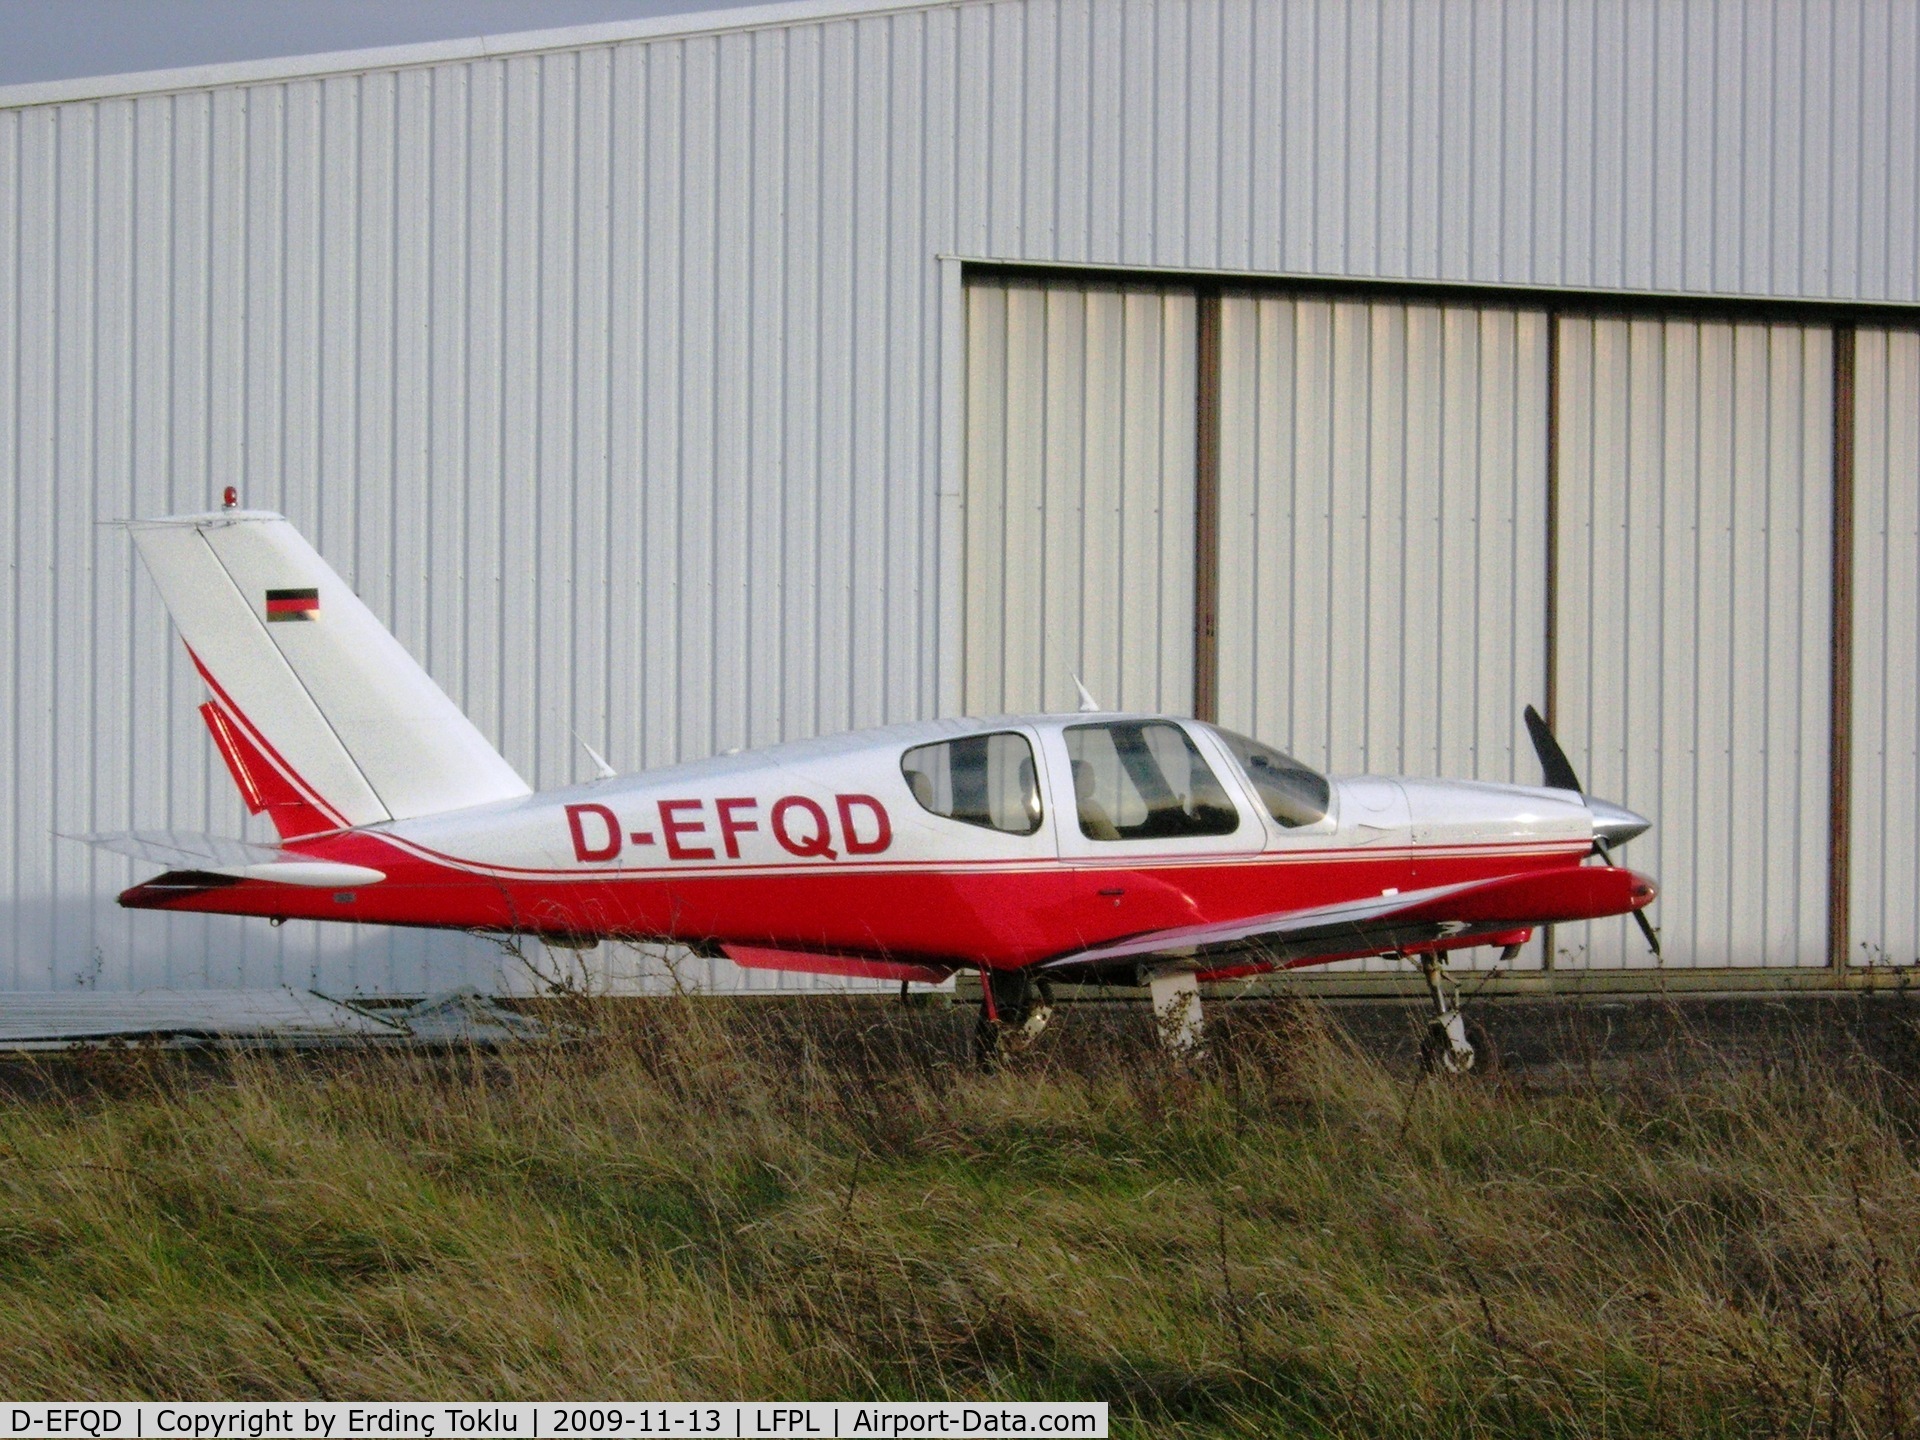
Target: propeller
(1613, 826)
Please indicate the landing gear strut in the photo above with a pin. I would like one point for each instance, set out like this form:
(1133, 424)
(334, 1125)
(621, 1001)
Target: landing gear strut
(1446, 1048)
(1014, 1009)
(1176, 1008)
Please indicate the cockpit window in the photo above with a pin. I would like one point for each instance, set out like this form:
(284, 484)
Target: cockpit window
(985, 780)
(1144, 780)
(1293, 794)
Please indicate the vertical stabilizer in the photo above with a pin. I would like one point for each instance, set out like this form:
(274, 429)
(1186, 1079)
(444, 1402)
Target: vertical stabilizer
(327, 721)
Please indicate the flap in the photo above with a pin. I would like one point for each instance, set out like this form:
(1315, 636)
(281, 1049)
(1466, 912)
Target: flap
(861, 967)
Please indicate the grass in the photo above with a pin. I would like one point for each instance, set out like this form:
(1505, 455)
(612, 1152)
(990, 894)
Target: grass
(706, 1199)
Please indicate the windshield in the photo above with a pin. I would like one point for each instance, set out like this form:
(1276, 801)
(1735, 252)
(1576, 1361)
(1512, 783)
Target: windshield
(1293, 794)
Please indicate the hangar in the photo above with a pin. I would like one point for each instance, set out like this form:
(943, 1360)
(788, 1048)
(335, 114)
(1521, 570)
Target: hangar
(1352, 372)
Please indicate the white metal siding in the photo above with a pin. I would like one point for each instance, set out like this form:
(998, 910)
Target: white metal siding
(1766, 148)
(1079, 497)
(1383, 533)
(1885, 845)
(1770, 148)
(1695, 516)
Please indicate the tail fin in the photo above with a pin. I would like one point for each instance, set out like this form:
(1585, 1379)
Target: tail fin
(325, 721)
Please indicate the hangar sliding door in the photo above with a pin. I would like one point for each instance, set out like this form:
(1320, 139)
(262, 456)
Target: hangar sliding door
(1383, 571)
(1079, 496)
(1383, 532)
(1694, 516)
(1400, 570)
(1884, 845)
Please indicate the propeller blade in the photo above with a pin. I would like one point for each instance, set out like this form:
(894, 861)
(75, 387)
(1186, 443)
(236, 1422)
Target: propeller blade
(1556, 770)
(1646, 926)
(1646, 929)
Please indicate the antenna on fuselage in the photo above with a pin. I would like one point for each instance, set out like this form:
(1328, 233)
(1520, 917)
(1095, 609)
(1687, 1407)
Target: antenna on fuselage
(602, 770)
(1088, 705)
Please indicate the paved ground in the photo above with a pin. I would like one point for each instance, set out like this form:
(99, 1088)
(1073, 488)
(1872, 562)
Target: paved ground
(1544, 1038)
(1539, 1040)
(1531, 1041)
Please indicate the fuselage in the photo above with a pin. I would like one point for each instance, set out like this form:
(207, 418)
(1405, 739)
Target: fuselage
(996, 843)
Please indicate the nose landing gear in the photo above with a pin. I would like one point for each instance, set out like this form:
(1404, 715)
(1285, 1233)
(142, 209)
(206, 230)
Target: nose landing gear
(1446, 1048)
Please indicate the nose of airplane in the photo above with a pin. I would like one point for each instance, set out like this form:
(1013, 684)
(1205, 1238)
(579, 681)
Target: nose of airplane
(1614, 825)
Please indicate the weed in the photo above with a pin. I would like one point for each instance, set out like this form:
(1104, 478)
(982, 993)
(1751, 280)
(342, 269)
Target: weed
(696, 1198)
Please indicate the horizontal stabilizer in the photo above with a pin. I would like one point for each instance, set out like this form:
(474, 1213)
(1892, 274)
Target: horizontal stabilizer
(184, 849)
(314, 874)
(164, 890)
(213, 859)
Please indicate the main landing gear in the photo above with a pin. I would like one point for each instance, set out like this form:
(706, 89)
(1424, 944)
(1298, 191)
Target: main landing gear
(1014, 1009)
(1176, 1008)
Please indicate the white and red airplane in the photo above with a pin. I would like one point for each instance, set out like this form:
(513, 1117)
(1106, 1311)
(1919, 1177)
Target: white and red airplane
(1087, 846)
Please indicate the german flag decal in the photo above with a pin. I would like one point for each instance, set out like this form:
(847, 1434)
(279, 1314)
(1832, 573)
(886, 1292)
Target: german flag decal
(293, 604)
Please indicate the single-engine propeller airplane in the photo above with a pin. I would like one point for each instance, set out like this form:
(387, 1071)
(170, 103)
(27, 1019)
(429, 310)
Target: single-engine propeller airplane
(1091, 846)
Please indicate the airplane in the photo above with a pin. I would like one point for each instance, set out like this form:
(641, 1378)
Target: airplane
(1091, 846)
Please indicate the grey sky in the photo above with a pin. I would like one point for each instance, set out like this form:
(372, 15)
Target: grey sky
(58, 39)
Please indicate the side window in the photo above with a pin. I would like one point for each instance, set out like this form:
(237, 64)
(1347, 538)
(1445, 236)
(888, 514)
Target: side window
(1293, 794)
(1144, 780)
(985, 780)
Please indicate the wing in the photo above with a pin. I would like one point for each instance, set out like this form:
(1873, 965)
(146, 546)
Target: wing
(1376, 925)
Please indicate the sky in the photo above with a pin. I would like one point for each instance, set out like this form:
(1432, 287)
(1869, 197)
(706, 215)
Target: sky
(60, 39)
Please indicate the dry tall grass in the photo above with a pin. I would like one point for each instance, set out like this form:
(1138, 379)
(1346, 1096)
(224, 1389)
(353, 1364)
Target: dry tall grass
(707, 1199)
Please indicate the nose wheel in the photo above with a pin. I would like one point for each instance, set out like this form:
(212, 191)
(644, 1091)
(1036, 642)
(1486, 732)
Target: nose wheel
(1445, 1050)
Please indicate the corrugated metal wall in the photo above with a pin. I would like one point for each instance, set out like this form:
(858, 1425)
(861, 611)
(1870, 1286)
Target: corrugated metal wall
(1694, 614)
(1383, 537)
(614, 374)
(1079, 497)
(1885, 844)
(1767, 148)
(1770, 148)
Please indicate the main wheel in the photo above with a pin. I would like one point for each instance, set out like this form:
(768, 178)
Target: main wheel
(1023, 1006)
(1014, 996)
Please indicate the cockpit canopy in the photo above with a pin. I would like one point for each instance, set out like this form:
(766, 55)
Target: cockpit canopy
(1134, 778)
